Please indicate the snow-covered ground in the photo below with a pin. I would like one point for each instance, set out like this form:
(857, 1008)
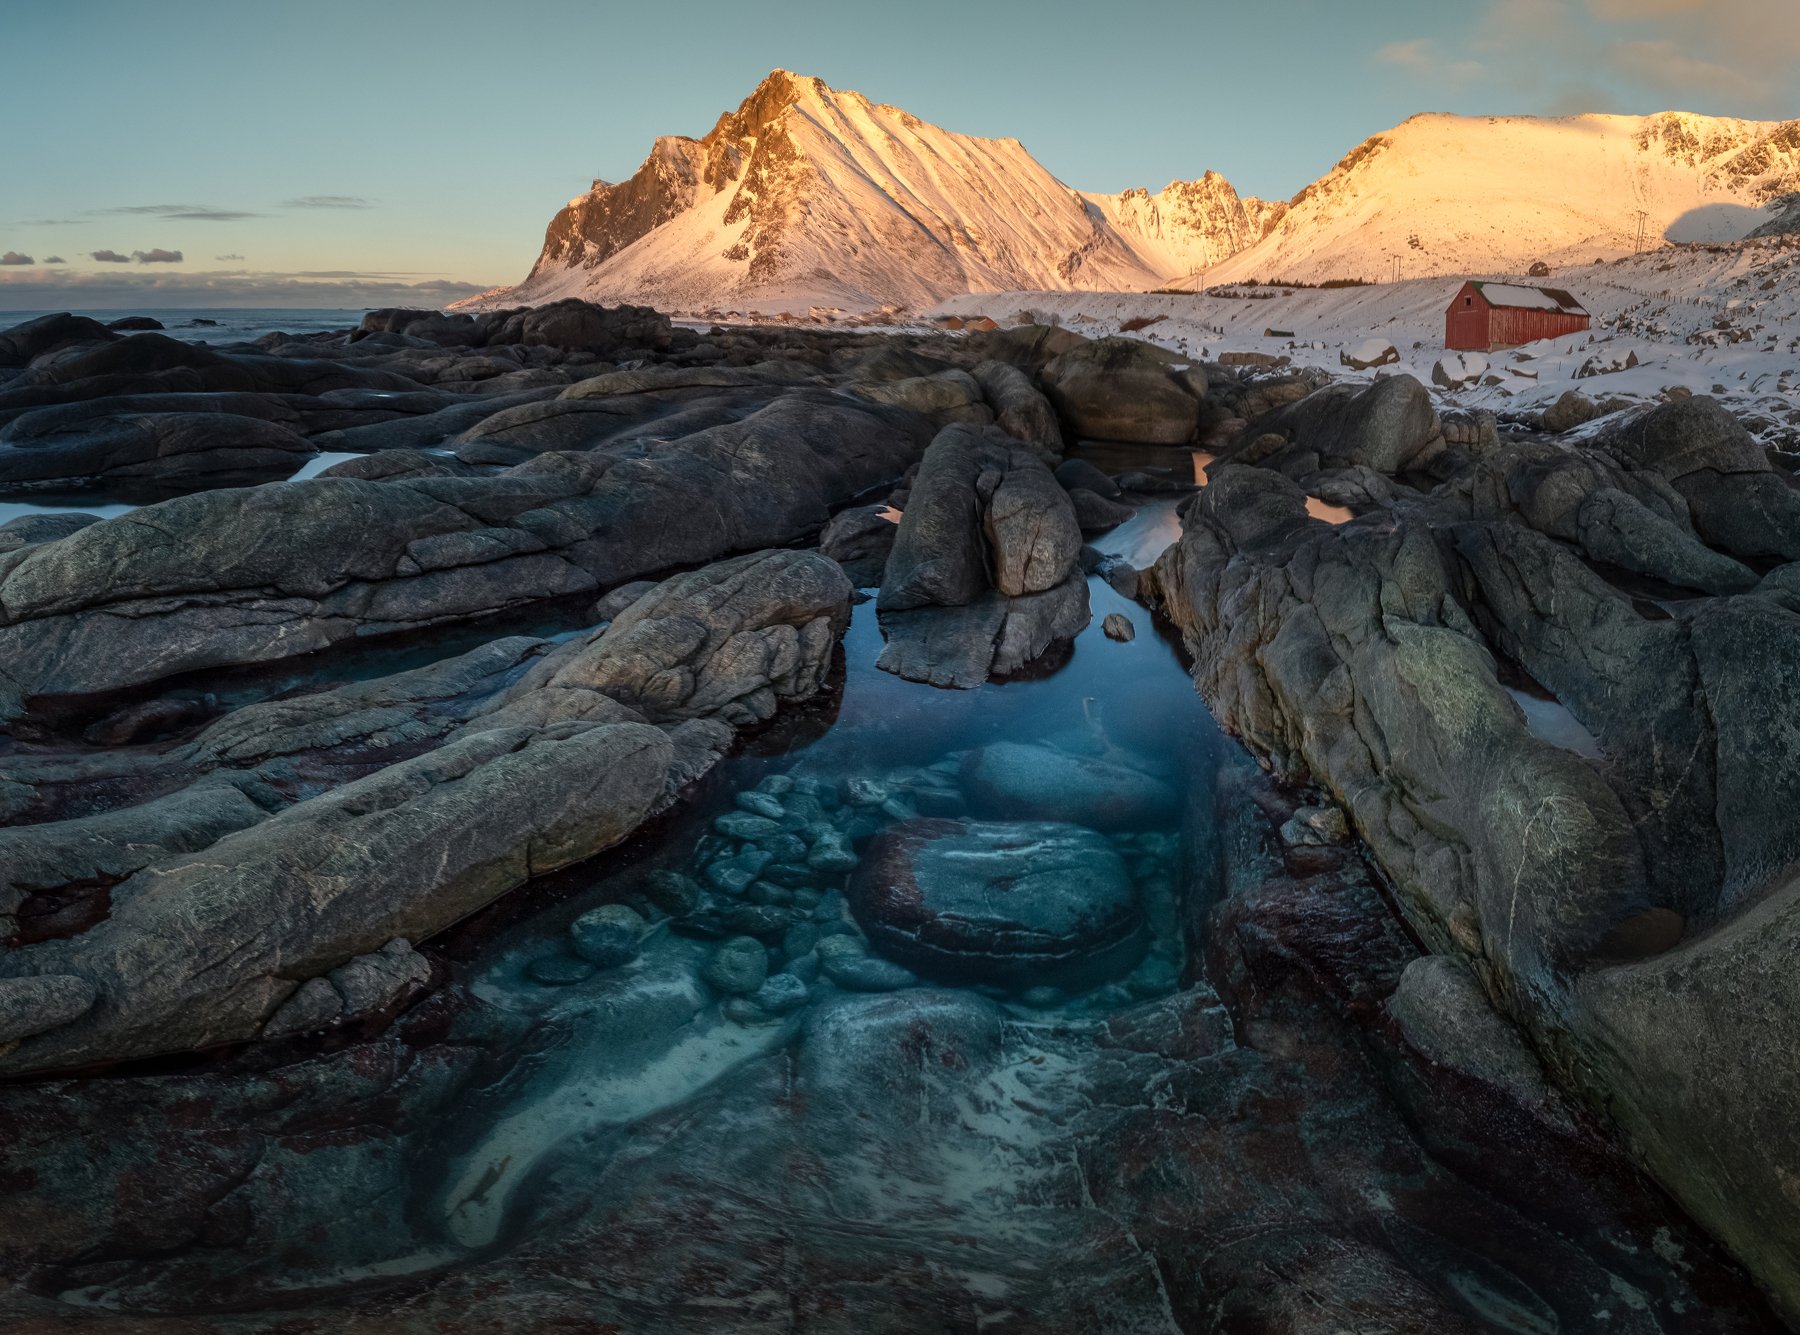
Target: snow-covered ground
(1721, 320)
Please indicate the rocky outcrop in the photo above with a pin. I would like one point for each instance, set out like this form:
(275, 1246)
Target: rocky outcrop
(1389, 426)
(148, 451)
(1585, 892)
(983, 574)
(241, 576)
(220, 914)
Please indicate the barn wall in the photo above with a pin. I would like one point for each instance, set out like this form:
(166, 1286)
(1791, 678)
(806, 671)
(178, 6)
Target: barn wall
(1509, 326)
(1466, 327)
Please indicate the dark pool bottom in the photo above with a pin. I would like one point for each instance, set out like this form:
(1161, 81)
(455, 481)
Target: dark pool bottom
(759, 1123)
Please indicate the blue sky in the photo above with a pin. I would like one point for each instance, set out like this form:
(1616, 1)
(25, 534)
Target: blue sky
(364, 146)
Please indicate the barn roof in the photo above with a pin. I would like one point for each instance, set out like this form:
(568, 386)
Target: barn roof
(1529, 298)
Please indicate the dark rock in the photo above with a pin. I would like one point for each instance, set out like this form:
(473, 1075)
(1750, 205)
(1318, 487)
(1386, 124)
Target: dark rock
(1117, 626)
(24, 343)
(860, 539)
(181, 451)
(738, 967)
(608, 936)
(1123, 389)
(1020, 410)
(131, 324)
(1080, 474)
(1095, 514)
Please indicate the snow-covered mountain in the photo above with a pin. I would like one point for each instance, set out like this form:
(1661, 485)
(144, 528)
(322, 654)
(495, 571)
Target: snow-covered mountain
(808, 196)
(1480, 194)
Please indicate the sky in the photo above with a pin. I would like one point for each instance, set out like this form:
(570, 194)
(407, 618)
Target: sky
(374, 152)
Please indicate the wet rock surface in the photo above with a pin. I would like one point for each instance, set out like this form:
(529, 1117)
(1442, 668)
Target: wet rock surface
(556, 919)
(1019, 904)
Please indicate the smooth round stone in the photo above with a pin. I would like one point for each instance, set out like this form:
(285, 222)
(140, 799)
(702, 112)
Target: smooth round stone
(781, 993)
(832, 853)
(608, 936)
(749, 828)
(558, 970)
(766, 805)
(1018, 781)
(868, 973)
(776, 785)
(738, 966)
(733, 874)
(672, 892)
(789, 874)
(1013, 904)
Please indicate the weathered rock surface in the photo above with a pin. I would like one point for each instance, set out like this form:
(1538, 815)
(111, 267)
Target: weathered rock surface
(219, 912)
(1389, 426)
(240, 576)
(178, 451)
(1585, 893)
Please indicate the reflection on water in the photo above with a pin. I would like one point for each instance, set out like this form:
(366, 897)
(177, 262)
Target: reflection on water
(10, 510)
(1548, 719)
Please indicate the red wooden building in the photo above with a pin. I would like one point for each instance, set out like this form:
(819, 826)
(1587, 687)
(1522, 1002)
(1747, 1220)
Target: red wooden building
(1486, 316)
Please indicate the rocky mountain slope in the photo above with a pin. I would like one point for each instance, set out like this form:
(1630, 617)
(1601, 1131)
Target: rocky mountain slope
(807, 196)
(1465, 194)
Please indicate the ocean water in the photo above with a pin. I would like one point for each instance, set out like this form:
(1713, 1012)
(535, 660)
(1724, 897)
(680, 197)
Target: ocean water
(230, 324)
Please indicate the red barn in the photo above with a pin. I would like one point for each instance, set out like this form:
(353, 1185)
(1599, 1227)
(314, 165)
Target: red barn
(1486, 316)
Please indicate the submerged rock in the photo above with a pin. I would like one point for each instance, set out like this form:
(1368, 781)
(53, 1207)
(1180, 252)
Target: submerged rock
(1020, 781)
(1014, 904)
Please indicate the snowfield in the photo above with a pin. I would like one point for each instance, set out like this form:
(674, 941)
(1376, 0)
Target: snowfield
(1720, 320)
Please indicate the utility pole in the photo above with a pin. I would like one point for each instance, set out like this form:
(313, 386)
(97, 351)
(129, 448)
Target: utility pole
(1396, 270)
(1637, 246)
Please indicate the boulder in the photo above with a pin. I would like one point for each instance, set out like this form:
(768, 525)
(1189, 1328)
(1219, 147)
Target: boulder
(1016, 905)
(1020, 410)
(24, 343)
(1389, 426)
(1569, 411)
(1095, 514)
(1123, 389)
(1369, 354)
(860, 539)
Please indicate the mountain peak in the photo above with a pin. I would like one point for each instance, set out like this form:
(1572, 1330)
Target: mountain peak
(852, 203)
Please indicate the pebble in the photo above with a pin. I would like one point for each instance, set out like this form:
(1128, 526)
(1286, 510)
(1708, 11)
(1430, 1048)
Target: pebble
(762, 804)
(831, 853)
(857, 972)
(738, 966)
(608, 936)
(805, 967)
(784, 847)
(800, 939)
(762, 892)
(734, 873)
(776, 785)
(766, 922)
(790, 874)
(861, 792)
(558, 970)
(750, 829)
(1117, 626)
(672, 892)
(781, 993)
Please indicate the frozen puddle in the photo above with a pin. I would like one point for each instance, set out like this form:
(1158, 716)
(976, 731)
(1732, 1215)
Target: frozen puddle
(320, 462)
(1550, 721)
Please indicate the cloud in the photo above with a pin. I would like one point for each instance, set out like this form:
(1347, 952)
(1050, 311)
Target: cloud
(25, 289)
(54, 259)
(1424, 57)
(52, 222)
(110, 257)
(328, 202)
(157, 256)
(191, 212)
(12, 257)
(1564, 57)
(227, 258)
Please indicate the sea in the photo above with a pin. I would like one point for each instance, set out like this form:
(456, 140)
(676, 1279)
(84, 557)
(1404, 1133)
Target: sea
(220, 324)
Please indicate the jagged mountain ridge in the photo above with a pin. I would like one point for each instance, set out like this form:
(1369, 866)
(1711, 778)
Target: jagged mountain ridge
(806, 195)
(1495, 194)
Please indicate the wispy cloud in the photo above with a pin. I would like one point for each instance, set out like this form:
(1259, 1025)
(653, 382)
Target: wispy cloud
(1424, 57)
(109, 257)
(328, 202)
(54, 259)
(52, 222)
(225, 259)
(190, 212)
(158, 256)
(12, 257)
